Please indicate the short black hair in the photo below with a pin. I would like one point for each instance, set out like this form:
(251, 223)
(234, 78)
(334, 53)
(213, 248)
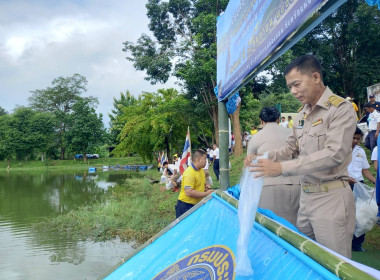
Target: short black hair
(289, 117)
(269, 114)
(197, 154)
(358, 131)
(369, 105)
(165, 162)
(306, 64)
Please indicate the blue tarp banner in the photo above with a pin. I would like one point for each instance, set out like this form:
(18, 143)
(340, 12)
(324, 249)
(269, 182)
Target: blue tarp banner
(203, 246)
(250, 30)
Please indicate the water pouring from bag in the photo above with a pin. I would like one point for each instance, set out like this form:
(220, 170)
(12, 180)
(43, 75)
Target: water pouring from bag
(249, 200)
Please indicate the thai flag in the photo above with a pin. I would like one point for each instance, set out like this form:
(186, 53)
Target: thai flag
(162, 158)
(186, 153)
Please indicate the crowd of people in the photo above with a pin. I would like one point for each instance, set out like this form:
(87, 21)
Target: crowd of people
(313, 161)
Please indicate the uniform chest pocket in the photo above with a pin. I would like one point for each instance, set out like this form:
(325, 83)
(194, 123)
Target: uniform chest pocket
(358, 161)
(317, 137)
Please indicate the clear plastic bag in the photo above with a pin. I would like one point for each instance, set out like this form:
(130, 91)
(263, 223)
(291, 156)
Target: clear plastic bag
(249, 200)
(366, 208)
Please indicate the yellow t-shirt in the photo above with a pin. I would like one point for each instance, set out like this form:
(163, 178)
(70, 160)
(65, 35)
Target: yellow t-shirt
(194, 179)
(290, 123)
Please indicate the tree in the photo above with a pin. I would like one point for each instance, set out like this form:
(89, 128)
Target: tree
(27, 131)
(85, 128)
(347, 43)
(59, 100)
(5, 138)
(158, 121)
(184, 46)
(42, 127)
(116, 125)
(2, 111)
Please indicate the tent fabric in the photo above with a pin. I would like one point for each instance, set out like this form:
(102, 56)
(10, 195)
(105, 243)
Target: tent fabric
(210, 228)
(373, 2)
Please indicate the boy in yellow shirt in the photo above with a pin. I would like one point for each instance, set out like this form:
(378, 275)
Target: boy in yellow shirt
(193, 187)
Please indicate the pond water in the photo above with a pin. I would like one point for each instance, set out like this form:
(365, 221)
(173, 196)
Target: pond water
(27, 198)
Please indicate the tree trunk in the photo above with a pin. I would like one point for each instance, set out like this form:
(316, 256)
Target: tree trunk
(62, 153)
(238, 149)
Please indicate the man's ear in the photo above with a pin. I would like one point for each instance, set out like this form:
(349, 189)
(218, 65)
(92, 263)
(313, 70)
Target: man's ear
(316, 77)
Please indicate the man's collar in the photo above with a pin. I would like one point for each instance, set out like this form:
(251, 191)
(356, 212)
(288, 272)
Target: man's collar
(194, 167)
(322, 102)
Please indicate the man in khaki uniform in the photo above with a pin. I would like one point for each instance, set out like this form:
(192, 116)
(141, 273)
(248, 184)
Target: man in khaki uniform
(320, 150)
(280, 194)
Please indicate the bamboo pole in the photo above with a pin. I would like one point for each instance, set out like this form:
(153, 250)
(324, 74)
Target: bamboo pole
(224, 178)
(332, 263)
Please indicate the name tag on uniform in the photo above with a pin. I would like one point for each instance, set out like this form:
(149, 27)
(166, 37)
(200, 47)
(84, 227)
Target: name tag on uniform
(318, 122)
(300, 124)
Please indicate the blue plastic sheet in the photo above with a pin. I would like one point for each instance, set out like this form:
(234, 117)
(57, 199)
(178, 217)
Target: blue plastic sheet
(373, 2)
(212, 231)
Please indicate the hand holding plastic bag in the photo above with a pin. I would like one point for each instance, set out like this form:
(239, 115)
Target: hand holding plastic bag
(249, 200)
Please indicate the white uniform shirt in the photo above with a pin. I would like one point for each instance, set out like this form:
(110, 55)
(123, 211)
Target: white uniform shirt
(373, 119)
(211, 153)
(358, 163)
(216, 153)
(374, 154)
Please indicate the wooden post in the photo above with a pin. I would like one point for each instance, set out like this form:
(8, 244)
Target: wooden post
(224, 177)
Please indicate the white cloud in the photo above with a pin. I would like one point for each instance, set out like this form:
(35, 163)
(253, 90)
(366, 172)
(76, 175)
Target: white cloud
(40, 41)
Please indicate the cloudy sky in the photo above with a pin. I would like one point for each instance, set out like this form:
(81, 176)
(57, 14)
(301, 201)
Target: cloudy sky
(41, 40)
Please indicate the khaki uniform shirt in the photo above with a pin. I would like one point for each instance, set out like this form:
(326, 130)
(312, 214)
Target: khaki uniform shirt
(271, 137)
(321, 143)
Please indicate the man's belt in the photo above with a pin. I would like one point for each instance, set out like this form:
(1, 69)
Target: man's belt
(323, 187)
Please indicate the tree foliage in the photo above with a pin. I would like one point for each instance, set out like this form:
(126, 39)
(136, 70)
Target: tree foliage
(59, 100)
(85, 128)
(25, 132)
(184, 46)
(347, 43)
(119, 105)
(158, 121)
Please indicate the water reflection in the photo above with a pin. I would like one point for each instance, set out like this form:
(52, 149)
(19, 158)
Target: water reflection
(27, 198)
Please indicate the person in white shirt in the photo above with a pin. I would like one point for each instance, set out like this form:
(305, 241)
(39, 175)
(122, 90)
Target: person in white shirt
(210, 155)
(358, 167)
(215, 156)
(373, 126)
(283, 122)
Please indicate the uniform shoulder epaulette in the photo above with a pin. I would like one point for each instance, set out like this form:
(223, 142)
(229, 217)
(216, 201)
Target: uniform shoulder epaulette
(336, 100)
(299, 110)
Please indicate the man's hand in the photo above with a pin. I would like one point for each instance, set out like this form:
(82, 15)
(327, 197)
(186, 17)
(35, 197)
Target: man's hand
(248, 160)
(266, 167)
(207, 187)
(208, 192)
(351, 181)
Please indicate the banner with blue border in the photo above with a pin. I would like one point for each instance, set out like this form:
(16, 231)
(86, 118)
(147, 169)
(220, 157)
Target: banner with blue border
(250, 31)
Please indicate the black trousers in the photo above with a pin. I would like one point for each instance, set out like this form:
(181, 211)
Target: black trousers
(216, 168)
(181, 208)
